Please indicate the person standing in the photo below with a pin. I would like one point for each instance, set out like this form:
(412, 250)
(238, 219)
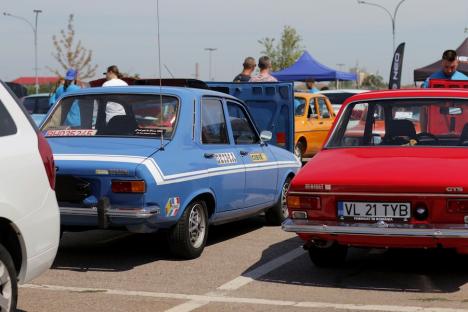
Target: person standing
(249, 67)
(69, 85)
(310, 84)
(264, 63)
(113, 77)
(449, 69)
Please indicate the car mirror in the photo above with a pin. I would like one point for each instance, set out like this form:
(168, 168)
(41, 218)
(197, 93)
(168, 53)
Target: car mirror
(376, 139)
(266, 135)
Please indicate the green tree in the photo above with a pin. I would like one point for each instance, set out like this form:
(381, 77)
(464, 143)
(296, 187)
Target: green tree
(373, 82)
(286, 52)
(71, 55)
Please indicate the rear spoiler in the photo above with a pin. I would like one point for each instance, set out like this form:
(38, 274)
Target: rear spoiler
(169, 82)
(444, 83)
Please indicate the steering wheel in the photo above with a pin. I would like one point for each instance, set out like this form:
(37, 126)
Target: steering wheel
(426, 138)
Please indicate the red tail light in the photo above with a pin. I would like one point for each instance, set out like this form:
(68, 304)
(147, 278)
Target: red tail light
(47, 159)
(280, 138)
(126, 186)
(303, 202)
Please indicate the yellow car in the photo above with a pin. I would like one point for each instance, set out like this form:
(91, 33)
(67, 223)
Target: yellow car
(313, 118)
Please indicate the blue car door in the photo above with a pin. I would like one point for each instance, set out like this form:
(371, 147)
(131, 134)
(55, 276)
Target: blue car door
(224, 166)
(260, 165)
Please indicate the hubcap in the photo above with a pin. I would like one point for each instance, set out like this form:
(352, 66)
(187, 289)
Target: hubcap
(5, 288)
(284, 206)
(197, 226)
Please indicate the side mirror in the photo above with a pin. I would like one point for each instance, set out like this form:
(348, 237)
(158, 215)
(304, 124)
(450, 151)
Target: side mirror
(376, 139)
(266, 136)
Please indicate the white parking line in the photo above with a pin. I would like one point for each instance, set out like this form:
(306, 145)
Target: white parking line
(197, 301)
(262, 270)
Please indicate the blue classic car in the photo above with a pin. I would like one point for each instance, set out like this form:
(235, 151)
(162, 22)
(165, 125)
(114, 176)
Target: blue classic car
(163, 158)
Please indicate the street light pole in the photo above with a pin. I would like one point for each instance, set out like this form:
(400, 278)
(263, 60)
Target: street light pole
(34, 29)
(210, 50)
(392, 17)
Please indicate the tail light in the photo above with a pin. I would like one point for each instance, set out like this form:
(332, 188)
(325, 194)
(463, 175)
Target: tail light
(281, 138)
(300, 205)
(47, 159)
(128, 186)
(457, 206)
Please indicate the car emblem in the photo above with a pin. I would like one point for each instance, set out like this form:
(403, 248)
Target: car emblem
(454, 189)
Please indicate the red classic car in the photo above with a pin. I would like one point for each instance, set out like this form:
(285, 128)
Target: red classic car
(402, 181)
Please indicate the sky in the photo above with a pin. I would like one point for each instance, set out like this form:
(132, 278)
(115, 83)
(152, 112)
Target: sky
(333, 31)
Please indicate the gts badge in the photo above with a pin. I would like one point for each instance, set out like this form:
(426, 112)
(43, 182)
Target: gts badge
(454, 189)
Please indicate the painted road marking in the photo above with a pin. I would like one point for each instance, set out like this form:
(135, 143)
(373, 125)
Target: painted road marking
(262, 270)
(204, 299)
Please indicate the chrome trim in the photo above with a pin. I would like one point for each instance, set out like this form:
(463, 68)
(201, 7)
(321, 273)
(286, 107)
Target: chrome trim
(376, 229)
(452, 195)
(127, 212)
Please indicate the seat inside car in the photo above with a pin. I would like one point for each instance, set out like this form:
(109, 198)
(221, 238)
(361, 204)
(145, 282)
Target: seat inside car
(399, 131)
(120, 125)
(463, 141)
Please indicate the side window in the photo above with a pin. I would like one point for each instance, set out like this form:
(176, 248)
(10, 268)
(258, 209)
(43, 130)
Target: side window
(299, 106)
(312, 113)
(213, 122)
(323, 108)
(242, 129)
(7, 125)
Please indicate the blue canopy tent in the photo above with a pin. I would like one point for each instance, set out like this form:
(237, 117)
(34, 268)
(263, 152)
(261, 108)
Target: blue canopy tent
(306, 67)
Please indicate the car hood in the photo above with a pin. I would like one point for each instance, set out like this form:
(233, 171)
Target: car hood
(387, 170)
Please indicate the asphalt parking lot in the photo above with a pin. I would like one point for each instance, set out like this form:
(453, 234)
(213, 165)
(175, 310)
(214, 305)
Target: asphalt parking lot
(246, 266)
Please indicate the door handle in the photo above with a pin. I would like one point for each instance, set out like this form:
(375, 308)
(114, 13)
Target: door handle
(321, 123)
(208, 155)
(244, 153)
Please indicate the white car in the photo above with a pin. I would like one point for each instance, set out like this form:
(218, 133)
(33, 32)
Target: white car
(29, 214)
(337, 97)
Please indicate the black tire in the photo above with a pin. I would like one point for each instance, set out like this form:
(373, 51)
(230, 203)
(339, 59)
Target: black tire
(185, 242)
(279, 212)
(8, 282)
(328, 257)
(299, 150)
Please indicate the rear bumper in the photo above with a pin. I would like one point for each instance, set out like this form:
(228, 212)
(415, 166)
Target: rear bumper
(136, 220)
(438, 231)
(131, 213)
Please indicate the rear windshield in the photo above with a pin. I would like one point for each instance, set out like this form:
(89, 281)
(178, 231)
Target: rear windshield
(412, 122)
(113, 115)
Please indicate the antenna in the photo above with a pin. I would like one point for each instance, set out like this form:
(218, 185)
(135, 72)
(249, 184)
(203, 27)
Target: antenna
(160, 76)
(167, 68)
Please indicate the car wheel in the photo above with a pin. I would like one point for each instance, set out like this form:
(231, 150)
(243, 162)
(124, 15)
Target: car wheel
(279, 212)
(187, 238)
(298, 150)
(8, 282)
(325, 257)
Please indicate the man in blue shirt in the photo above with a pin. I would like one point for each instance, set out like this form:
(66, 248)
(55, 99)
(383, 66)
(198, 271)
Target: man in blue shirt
(310, 84)
(449, 69)
(73, 117)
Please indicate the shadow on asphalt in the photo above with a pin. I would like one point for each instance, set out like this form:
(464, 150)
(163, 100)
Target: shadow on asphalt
(99, 250)
(408, 270)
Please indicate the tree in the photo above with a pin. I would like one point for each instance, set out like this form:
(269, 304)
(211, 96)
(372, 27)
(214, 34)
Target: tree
(69, 55)
(286, 52)
(373, 82)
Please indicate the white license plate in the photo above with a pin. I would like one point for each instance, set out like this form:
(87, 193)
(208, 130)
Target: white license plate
(374, 211)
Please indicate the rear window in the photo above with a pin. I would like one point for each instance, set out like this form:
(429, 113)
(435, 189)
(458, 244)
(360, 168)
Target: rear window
(7, 125)
(146, 115)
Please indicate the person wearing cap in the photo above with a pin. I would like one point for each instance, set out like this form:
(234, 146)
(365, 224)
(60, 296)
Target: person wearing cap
(113, 76)
(264, 63)
(245, 75)
(449, 69)
(69, 85)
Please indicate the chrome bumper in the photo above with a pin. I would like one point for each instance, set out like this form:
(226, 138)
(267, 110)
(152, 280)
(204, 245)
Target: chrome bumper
(133, 213)
(376, 229)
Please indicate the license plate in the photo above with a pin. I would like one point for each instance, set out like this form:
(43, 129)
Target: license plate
(374, 211)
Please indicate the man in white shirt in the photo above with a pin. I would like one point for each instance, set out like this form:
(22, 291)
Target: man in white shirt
(113, 80)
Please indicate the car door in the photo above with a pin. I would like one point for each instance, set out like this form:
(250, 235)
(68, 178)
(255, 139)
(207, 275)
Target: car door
(321, 121)
(225, 166)
(313, 123)
(261, 170)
